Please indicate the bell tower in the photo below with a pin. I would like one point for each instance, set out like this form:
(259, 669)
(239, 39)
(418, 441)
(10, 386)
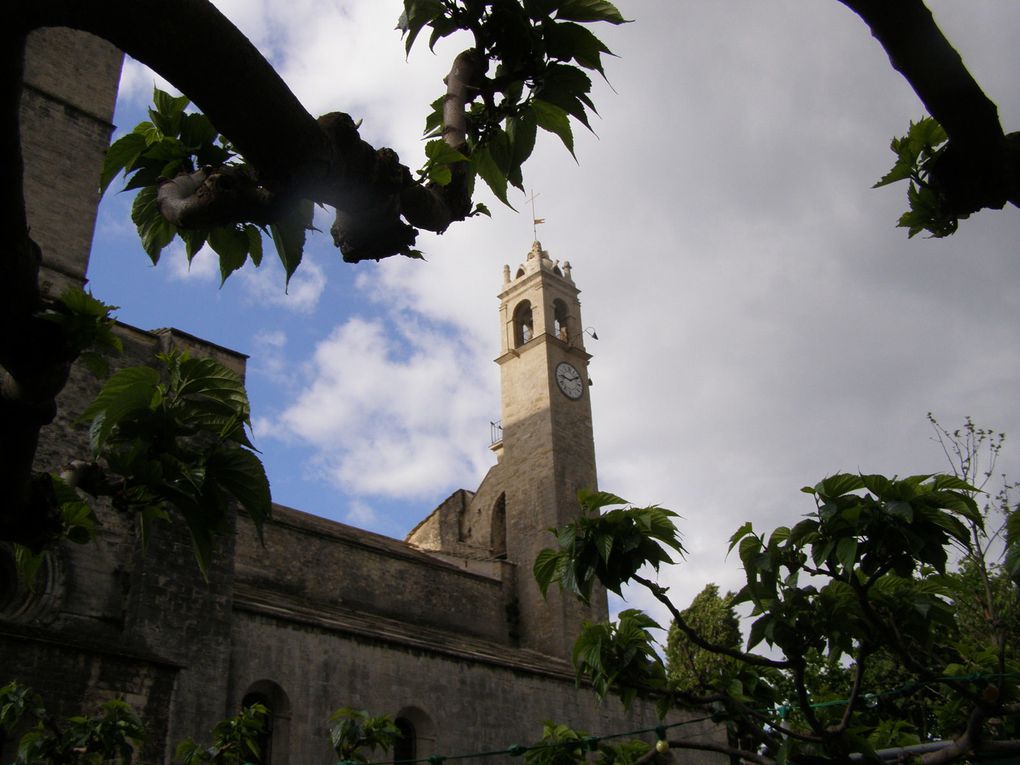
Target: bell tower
(548, 450)
(545, 453)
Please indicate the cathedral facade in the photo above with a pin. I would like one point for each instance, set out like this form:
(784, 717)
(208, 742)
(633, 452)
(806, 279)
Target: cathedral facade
(446, 631)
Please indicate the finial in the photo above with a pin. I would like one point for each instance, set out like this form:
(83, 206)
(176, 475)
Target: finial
(535, 221)
(506, 274)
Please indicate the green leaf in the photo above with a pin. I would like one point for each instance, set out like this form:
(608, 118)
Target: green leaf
(121, 154)
(417, 13)
(567, 40)
(545, 568)
(231, 244)
(197, 131)
(838, 485)
(254, 235)
(566, 87)
(554, 119)
(240, 473)
(846, 553)
(596, 500)
(521, 132)
(127, 391)
(289, 235)
(155, 232)
(168, 112)
(494, 176)
(746, 528)
(194, 240)
(166, 150)
(589, 10)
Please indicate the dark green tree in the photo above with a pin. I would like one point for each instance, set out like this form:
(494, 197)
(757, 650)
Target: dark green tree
(689, 666)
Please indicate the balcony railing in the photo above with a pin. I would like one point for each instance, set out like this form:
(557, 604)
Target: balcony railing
(496, 432)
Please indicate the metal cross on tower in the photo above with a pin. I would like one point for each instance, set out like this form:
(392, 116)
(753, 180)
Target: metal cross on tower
(535, 221)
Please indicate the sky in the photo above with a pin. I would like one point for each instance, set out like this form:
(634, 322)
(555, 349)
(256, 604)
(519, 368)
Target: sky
(762, 323)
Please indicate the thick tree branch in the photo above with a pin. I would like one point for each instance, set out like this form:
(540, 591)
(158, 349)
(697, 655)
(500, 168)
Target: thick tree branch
(202, 53)
(981, 166)
(212, 194)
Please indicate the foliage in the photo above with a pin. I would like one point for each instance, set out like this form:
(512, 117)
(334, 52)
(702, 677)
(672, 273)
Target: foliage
(355, 734)
(177, 142)
(235, 740)
(608, 547)
(886, 624)
(691, 667)
(108, 737)
(177, 441)
(562, 745)
(620, 655)
(113, 735)
(542, 51)
(916, 155)
(86, 328)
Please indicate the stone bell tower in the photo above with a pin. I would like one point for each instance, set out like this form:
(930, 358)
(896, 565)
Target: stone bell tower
(545, 453)
(548, 450)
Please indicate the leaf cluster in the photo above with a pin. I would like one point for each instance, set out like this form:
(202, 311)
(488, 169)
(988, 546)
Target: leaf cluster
(235, 740)
(563, 745)
(355, 734)
(877, 641)
(178, 442)
(85, 327)
(916, 155)
(608, 547)
(621, 657)
(110, 736)
(873, 551)
(177, 142)
(542, 51)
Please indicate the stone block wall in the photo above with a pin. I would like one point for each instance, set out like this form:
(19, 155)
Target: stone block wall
(70, 85)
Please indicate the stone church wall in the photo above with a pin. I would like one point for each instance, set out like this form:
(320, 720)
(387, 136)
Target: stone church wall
(323, 564)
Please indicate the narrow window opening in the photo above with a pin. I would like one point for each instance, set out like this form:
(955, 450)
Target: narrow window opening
(406, 747)
(561, 321)
(497, 537)
(524, 327)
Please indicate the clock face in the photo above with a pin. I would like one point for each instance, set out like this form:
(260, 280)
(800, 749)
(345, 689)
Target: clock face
(569, 380)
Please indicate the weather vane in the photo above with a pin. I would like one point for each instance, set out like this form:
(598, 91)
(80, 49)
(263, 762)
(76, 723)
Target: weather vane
(534, 221)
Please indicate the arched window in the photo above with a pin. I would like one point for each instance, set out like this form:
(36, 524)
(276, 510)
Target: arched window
(524, 324)
(273, 742)
(406, 747)
(265, 738)
(497, 534)
(561, 321)
(417, 735)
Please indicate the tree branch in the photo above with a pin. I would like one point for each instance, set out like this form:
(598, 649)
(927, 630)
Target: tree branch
(981, 166)
(203, 54)
(748, 658)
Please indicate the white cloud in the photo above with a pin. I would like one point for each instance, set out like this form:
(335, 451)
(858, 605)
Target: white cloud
(204, 267)
(265, 284)
(268, 358)
(137, 81)
(361, 514)
(396, 409)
